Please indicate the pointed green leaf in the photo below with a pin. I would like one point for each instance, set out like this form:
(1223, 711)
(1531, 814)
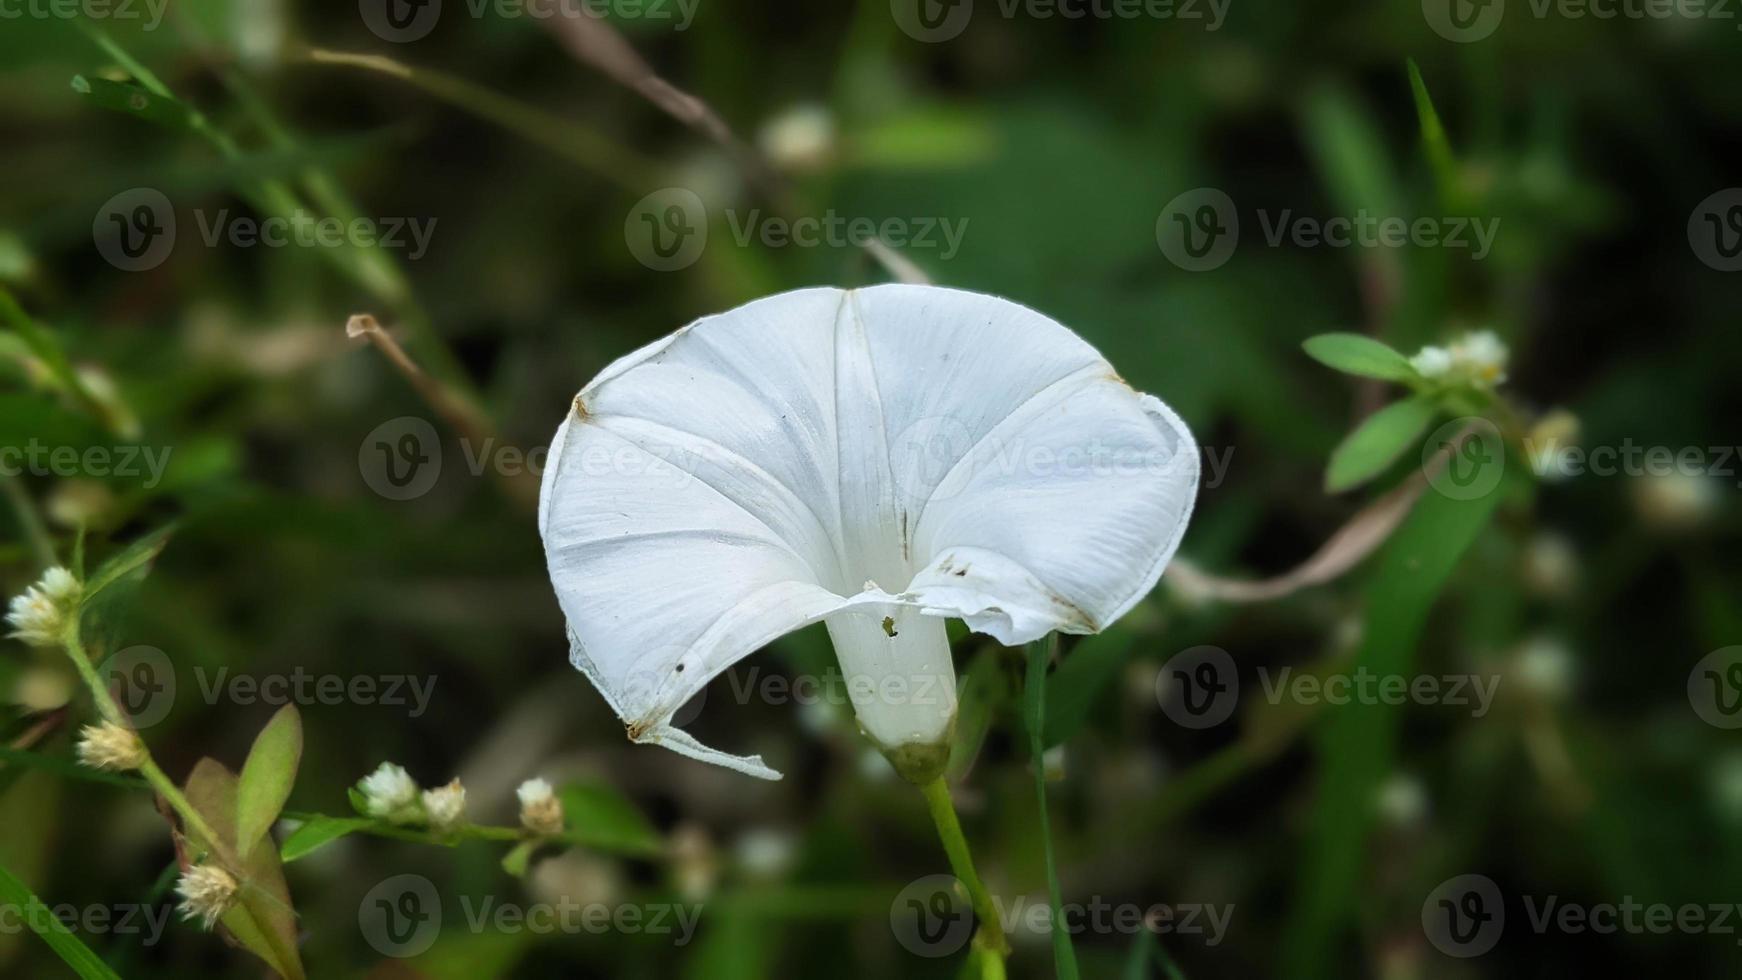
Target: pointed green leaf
(1358, 354)
(1378, 442)
(316, 833)
(1433, 136)
(109, 592)
(262, 921)
(267, 776)
(1356, 746)
(36, 916)
(516, 861)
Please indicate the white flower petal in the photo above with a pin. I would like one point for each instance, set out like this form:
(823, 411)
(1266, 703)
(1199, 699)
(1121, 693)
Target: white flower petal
(850, 456)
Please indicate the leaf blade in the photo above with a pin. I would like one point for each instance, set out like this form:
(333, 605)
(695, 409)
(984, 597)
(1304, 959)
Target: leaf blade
(1377, 442)
(73, 952)
(1360, 355)
(267, 776)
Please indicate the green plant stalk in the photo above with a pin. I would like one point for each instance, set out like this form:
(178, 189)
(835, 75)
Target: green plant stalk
(165, 787)
(990, 936)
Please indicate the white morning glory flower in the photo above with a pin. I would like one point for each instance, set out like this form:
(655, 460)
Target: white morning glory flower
(877, 459)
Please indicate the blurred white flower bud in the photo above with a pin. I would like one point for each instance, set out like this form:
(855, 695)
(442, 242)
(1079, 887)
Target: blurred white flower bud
(540, 811)
(445, 805)
(801, 139)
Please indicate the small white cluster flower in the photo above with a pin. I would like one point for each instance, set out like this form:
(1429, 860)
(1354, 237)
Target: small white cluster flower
(1477, 358)
(540, 811)
(445, 804)
(111, 746)
(207, 892)
(390, 793)
(39, 615)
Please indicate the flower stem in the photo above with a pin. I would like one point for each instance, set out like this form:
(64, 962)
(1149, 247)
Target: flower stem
(165, 787)
(990, 937)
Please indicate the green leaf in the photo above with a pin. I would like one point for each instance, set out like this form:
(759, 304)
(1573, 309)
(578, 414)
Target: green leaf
(1433, 136)
(1378, 442)
(1356, 743)
(1034, 713)
(1358, 354)
(597, 815)
(516, 861)
(267, 776)
(135, 101)
(109, 593)
(37, 917)
(262, 921)
(1081, 677)
(359, 802)
(316, 833)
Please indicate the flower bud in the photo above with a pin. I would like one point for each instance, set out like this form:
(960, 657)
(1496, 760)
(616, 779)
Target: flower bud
(540, 811)
(444, 805)
(39, 615)
(390, 793)
(207, 892)
(112, 747)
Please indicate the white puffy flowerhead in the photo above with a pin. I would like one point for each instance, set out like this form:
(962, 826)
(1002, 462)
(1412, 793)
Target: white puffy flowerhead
(38, 615)
(444, 805)
(1477, 359)
(878, 460)
(390, 793)
(112, 747)
(540, 811)
(207, 892)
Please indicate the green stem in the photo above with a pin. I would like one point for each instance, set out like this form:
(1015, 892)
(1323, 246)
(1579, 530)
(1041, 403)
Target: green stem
(165, 787)
(990, 937)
